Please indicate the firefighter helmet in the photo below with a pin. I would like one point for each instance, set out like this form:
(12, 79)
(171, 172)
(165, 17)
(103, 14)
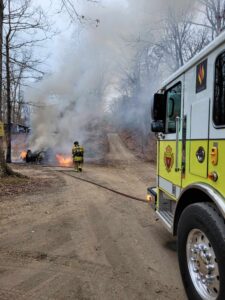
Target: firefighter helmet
(76, 143)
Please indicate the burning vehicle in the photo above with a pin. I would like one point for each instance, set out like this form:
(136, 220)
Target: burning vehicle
(35, 157)
(47, 157)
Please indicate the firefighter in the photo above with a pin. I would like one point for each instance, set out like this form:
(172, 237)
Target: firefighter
(78, 156)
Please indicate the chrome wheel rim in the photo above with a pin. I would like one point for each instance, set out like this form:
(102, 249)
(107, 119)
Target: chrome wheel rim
(202, 265)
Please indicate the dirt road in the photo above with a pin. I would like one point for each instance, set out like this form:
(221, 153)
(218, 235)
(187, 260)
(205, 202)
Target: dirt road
(80, 241)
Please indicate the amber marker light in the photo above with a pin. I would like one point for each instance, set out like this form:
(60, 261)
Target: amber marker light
(149, 198)
(213, 176)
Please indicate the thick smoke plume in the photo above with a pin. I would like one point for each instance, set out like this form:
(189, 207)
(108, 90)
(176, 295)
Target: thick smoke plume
(90, 65)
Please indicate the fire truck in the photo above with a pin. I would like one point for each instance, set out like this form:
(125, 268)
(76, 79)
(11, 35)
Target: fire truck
(188, 118)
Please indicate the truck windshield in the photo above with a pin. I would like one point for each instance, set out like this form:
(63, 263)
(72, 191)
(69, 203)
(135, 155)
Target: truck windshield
(173, 107)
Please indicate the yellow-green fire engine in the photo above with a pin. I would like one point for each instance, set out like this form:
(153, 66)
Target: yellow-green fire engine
(189, 121)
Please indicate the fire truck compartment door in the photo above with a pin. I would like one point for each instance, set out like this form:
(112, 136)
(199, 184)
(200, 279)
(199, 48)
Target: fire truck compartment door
(199, 138)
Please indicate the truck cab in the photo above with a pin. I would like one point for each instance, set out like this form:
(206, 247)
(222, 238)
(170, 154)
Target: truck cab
(188, 117)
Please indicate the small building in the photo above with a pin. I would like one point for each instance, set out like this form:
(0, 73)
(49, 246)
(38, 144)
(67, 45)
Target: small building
(17, 128)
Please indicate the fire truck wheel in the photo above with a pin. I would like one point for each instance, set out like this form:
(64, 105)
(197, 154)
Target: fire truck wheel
(201, 254)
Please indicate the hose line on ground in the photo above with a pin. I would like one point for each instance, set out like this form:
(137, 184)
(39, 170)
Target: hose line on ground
(103, 187)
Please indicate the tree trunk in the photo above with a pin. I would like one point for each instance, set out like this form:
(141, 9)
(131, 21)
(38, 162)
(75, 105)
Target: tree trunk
(2, 157)
(8, 89)
(8, 92)
(1, 34)
(5, 170)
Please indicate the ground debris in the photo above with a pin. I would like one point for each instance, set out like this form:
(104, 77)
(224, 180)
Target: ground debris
(15, 185)
(28, 182)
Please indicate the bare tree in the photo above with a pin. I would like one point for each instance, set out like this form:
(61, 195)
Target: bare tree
(25, 27)
(4, 169)
(177, 41)
(212, 16)
(181, 39)
(75, 15)
(2, 158)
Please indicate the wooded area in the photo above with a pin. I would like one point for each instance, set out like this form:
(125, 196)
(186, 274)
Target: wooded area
(181, 34)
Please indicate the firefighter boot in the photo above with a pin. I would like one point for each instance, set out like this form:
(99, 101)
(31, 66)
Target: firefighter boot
(76, 169)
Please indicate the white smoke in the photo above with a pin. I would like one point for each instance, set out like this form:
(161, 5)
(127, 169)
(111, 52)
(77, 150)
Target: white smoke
(88, 68)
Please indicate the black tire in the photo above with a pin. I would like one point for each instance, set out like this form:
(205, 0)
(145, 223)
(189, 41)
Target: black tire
(205, 218)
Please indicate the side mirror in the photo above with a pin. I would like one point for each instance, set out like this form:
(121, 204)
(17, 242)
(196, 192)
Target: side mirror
(159, 107)
(158, 126)
(158, 113)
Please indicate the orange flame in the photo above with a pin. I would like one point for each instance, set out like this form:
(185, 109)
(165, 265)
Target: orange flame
(23, 154)
(64, 160)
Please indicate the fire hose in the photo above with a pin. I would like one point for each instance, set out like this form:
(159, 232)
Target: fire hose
(103, 187)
